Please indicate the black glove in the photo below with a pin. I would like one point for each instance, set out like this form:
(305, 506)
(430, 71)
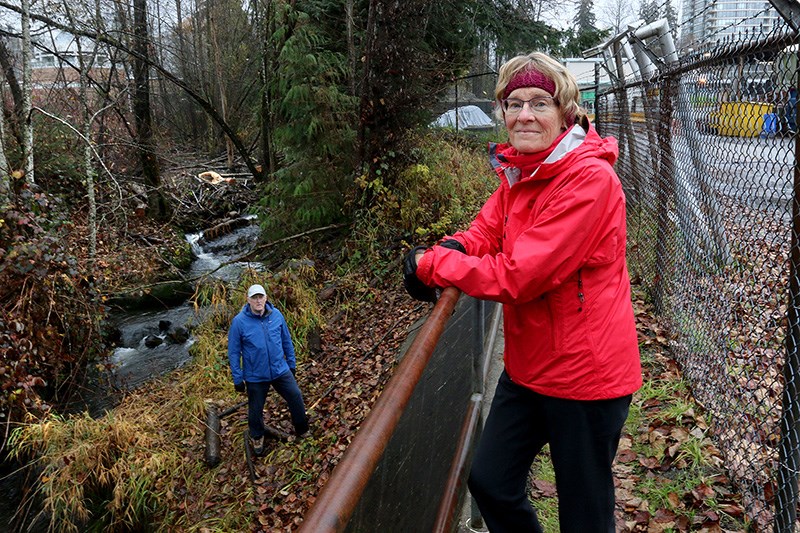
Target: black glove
(294, 371)
(240, 387)
(415, 288)
(453, 245)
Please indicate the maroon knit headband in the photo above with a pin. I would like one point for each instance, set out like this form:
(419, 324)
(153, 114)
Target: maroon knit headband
(530, 78)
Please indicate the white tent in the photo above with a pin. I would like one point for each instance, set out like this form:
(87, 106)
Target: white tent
(469, 117)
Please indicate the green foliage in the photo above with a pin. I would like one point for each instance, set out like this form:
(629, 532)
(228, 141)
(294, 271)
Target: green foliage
(433, 186)
(313, 117)
(49, 310)
(59, 158)
(583, 35)
(576, 41)
(584, 19)
(439, 186)
(96, 470)
(515, 28)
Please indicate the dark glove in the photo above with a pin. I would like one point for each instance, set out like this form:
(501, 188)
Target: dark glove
(294, 371)
(453, 245)
(415, 288)
(240, 387)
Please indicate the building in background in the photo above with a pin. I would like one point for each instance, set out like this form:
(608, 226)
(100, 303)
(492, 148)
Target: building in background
(590, 82)
(706, 23)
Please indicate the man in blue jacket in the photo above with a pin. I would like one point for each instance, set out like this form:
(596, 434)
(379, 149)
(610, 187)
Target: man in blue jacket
(261, 354)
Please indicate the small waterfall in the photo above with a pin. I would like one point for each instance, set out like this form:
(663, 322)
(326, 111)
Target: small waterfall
(216, 257)
(152, 343)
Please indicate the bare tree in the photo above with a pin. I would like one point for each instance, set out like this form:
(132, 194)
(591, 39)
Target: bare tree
(219, 75)
(5, 182)
(117, 41)
(157, 204)
(27, 88)
(615, 14)
(7, 64)
(265, 21)
(86, 61)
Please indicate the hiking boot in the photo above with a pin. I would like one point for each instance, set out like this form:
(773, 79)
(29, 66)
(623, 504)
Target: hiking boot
(300, 435)
(258, 445)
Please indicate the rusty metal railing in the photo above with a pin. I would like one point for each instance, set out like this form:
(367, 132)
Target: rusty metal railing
(341, 503)
(339, 496)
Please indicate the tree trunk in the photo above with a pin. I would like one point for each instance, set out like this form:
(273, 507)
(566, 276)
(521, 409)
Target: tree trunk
(157, 204)
(86, 62)
(365, 111)
(5, 181)
(27, 88)
(220, 76)
(352, 53)
(6, 63)
(267, 68)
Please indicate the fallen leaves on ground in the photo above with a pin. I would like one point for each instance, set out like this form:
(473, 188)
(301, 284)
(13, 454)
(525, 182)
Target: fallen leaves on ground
(669, 476)
(340, 386)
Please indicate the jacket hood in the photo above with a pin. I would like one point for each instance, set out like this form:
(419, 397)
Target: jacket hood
(581, 140)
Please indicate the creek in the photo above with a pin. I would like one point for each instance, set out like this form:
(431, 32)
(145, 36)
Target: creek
(155, 341)
(152, 341)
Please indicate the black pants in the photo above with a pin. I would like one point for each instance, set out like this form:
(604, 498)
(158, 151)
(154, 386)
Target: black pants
(287, 387)
(583, 438)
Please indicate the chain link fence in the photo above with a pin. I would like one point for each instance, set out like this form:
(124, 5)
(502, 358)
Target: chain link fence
(708, 158)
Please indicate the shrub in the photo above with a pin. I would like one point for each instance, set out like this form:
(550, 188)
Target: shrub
(49, 312)
(435, 187)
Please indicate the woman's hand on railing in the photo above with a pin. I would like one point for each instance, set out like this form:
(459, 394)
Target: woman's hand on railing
(414, 287)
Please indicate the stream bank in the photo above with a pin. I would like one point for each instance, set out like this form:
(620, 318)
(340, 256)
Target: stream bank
(152, 335)
(151, 342)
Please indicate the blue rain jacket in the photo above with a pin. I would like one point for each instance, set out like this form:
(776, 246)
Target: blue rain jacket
(259, 347)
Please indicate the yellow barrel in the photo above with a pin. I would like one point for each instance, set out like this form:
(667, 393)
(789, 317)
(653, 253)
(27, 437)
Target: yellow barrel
(741, 119)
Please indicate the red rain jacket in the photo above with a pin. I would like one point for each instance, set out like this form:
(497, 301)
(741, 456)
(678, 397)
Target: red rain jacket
(551, 248)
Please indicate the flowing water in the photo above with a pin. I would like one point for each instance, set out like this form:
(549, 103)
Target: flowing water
(150, 344)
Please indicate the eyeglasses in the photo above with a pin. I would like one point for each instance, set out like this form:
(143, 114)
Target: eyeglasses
(538, 105)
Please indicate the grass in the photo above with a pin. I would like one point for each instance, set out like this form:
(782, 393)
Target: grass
(546, 506)
(131, 468)
(666, 463)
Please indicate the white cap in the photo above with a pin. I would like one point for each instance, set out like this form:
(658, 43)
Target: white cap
(255, 289)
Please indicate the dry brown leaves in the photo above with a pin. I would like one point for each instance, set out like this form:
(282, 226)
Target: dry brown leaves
(340, 386)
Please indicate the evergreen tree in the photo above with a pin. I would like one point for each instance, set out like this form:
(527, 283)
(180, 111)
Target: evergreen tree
(415, 50)
(583, 34)
(584, 19)
(313, 120)
(518, 31)
(649, 11)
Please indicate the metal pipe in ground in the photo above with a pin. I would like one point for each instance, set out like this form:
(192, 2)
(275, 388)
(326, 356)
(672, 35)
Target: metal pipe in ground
(213, 425)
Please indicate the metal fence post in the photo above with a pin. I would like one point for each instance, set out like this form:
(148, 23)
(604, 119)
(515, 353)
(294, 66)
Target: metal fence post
(478, 340)
(479, 351)
(786, 499)
(664, 185)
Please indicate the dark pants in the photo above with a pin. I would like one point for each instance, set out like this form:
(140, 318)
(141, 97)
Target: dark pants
(287, 387)
(583, 438)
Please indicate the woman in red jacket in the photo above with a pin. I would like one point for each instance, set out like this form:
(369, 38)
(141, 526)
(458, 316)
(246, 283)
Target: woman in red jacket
(549, 244)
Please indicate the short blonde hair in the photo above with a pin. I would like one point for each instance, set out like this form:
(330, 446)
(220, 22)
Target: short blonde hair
(566, 94)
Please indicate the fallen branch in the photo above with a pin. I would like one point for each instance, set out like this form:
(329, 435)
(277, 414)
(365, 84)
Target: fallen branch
(264, 246)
